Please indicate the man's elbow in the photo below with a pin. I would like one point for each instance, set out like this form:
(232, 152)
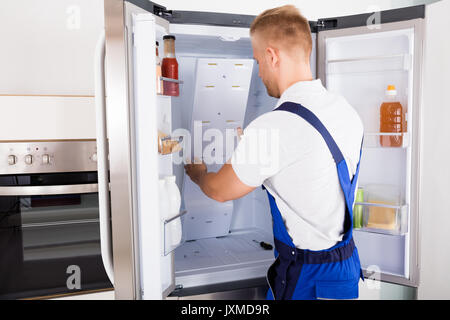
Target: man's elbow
(218, 197)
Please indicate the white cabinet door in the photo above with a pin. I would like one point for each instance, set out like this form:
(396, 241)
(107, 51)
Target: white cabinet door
(48, 46)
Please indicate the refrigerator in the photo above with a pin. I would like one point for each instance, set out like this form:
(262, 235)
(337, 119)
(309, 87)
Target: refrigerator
(355, 56)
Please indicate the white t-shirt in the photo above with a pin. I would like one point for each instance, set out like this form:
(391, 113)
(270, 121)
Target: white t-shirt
(289, 156)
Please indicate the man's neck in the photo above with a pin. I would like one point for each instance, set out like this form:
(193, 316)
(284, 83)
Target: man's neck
(293, 76)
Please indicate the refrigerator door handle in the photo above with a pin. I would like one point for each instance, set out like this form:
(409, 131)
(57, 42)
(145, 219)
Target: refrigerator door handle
(102, 156)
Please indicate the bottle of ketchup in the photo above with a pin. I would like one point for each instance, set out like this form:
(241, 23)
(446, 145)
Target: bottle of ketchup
(170, 67)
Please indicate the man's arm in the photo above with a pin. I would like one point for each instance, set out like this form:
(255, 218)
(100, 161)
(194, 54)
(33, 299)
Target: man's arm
(221, 186)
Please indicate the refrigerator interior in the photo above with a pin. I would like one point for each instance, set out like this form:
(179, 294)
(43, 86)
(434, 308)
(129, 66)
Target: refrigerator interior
(237, 255)
(357, 66)
(360, 67)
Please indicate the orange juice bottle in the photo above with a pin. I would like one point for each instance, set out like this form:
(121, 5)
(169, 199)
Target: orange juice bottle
(391, 119)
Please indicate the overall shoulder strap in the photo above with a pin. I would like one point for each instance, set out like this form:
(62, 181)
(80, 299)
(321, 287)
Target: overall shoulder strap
(348, 186)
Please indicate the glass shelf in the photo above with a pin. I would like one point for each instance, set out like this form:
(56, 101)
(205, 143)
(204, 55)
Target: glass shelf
(379, 57)
(384, 218)
(396, 62)
(372, 139)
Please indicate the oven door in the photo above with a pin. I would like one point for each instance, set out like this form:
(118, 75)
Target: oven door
(49, 235)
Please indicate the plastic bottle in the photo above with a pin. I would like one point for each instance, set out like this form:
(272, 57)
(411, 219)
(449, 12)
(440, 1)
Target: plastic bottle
(159, 83)
(175, 204)
(164, 202)
(358, 210)
(170, 67)
(164, 212)
(391, 119)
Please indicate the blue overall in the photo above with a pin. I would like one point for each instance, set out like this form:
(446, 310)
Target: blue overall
(332, 273)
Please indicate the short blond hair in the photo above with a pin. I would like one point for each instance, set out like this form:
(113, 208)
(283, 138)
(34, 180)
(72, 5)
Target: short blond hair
(284, 26)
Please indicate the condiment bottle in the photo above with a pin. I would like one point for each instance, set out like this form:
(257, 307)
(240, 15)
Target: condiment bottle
(170, 67)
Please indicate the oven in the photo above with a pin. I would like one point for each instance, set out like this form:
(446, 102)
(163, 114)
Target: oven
(49, 219)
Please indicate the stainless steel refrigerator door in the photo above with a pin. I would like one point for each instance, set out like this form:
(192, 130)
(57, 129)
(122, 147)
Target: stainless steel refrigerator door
(413, 179)
(141, 270)
(118, 101)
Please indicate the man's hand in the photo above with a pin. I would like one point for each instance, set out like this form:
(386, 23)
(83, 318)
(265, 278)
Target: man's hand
(196, 171)
(221, 186)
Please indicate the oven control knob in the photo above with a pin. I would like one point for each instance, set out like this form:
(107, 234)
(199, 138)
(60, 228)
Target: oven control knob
(12, 160)
(45, 159)
(28, 159)
(94, 157)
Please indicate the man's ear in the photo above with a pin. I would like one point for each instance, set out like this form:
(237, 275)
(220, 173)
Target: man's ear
(272, 56)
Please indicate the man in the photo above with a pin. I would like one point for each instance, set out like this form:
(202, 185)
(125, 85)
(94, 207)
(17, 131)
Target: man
(311, 192)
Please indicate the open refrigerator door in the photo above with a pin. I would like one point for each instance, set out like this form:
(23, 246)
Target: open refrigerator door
(360, 63)
(151, 111)
(206, 242)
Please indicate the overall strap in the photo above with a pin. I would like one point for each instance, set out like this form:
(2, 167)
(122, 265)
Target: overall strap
(348, 187)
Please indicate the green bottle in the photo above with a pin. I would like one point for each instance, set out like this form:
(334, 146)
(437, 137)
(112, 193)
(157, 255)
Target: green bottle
(358, 210)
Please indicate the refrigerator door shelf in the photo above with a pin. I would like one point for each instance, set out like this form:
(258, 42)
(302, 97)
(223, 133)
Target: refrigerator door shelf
(165, 82)
(171, 80)
(173, 233)
(372, 139)
(384, 218)
(368, 64)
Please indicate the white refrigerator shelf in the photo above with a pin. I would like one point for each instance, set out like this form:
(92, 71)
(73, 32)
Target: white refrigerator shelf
(384, 218)
(372, 139)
